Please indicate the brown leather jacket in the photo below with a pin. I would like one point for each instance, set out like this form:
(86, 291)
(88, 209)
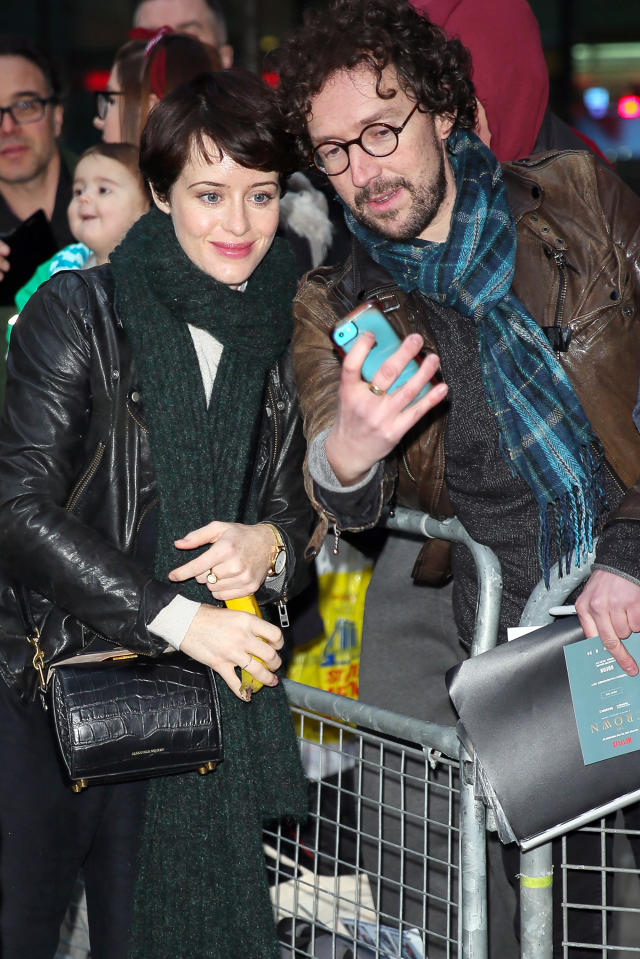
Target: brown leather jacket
(577, 269)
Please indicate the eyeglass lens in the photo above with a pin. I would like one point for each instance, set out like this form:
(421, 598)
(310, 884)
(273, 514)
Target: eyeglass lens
(104, 100)
(378, 140)
(101, 105)
(24, 111)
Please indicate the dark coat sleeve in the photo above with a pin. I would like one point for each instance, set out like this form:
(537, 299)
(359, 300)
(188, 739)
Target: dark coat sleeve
(46, 415)
(285, 503)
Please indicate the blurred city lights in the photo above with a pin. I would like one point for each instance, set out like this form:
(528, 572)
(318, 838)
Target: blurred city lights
(95, 80)
(596, 101)
(629, 106)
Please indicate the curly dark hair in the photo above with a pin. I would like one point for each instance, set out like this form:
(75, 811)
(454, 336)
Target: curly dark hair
(376, 33)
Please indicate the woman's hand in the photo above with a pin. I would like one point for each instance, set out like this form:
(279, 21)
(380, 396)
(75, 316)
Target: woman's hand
(239, 556)
(226, 639)
(4, 261)
(368, 426)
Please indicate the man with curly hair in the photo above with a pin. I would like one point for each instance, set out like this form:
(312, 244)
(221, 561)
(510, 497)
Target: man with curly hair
(522, 283)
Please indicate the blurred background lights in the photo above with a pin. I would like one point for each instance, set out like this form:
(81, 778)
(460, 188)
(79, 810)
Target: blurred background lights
(596, 101)
(629, 106)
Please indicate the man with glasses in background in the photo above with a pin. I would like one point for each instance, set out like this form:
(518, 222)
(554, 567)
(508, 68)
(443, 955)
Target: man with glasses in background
(34, 173)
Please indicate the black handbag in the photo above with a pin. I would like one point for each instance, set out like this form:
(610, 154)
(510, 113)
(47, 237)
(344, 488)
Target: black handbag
(118, 715)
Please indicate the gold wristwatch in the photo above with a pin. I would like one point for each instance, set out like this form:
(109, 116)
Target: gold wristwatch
(279, 555)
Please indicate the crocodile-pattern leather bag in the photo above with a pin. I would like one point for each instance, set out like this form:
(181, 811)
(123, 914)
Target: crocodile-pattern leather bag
(130, 717)
(118, 715)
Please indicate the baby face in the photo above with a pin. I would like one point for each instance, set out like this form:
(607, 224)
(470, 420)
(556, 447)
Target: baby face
(107, 201)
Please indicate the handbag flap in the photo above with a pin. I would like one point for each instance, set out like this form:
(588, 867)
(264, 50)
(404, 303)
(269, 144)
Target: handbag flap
(113, 655)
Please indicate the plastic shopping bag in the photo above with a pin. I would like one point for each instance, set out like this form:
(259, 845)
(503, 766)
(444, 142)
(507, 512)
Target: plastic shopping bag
(332, 661)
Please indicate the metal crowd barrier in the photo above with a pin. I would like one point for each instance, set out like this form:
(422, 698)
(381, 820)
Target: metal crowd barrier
(392, 861)
(614, 876)
(345, 885)
(343, 888)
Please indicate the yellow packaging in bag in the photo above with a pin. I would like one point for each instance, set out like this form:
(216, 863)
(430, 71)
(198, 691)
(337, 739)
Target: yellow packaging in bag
(332, 661)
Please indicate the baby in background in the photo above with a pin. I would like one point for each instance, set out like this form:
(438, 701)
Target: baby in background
(109, 195)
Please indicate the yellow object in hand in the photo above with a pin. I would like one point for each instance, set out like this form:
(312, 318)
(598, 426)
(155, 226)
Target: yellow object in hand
(247, 604)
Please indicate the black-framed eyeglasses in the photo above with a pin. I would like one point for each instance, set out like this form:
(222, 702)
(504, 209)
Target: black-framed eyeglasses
(29, 110)
(103, 99)
(377, 139)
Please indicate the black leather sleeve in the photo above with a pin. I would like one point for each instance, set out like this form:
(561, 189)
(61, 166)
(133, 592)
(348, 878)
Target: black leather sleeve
(52, 371)
(284, 501)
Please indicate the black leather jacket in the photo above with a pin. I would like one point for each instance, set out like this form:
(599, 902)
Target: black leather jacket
(76, 479)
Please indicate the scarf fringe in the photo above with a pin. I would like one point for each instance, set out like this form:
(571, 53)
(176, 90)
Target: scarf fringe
(571, 522)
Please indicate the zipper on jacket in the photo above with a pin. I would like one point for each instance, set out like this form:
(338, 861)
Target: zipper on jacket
(336, 539)
(559, 337)
(614, 476)
(85, 479)
(281, 605)
(274, 410)
(283, 612)
(114, 642)
(145, 512)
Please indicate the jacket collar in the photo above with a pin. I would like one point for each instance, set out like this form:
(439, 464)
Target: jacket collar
(361, 277)
(524, 190)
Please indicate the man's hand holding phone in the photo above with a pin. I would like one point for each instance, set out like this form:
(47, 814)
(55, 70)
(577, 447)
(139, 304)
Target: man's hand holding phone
(371, 422)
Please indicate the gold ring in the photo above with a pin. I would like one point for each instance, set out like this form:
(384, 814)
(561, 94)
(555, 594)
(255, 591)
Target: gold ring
(376, 390)
(211, 577)
(248, 664)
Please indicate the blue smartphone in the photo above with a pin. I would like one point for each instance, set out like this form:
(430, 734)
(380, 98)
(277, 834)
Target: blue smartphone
(368, 316)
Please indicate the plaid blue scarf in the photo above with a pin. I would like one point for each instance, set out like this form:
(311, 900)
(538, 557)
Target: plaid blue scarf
(544, 433)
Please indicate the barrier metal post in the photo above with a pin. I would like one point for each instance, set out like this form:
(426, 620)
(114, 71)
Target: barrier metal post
(473, 867)
(536, 866)
(473, 856)
(485, 631)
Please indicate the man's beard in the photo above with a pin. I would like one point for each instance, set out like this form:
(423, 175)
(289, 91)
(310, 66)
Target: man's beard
(426, 200)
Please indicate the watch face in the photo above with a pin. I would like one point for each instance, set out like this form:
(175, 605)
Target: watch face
(280, 561)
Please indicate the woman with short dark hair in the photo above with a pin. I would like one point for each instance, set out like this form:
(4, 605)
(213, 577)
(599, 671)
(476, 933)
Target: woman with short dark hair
(150, 413)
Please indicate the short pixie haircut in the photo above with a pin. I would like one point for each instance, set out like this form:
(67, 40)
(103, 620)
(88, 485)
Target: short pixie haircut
(233, 109)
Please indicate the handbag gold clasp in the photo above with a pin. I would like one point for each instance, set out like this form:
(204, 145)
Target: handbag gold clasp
(38, 658)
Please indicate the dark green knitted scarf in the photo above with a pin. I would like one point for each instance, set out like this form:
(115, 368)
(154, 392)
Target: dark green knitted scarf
(202, 888)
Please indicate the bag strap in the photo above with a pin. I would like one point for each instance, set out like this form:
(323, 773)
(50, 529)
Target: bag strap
(32, 633)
